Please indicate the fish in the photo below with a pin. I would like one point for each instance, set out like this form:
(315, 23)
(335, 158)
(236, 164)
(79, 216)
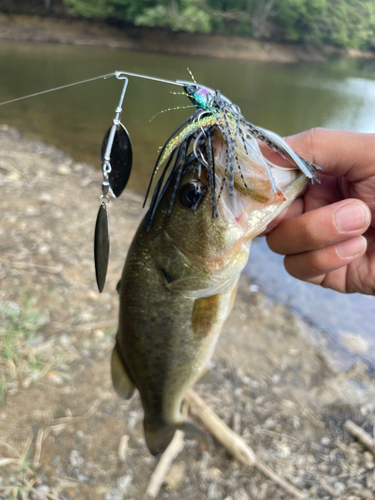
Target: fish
(181, 274)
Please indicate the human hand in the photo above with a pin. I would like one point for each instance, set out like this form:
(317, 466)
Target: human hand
(321, 232)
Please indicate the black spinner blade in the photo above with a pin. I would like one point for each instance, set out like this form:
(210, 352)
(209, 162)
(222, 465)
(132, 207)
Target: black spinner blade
(121, 159)
(101, 246)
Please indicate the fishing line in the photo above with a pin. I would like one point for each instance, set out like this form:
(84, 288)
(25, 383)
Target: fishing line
(58, 88)
(117, 74)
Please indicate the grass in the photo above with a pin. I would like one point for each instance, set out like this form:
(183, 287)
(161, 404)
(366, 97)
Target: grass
(20, 321)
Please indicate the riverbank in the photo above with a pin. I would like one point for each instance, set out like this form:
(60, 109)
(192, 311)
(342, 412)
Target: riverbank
(33, 29)
(64, 432)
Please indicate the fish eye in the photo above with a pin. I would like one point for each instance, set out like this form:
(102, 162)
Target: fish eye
(189, 195)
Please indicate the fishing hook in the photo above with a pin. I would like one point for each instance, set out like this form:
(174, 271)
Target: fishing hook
(199, 136)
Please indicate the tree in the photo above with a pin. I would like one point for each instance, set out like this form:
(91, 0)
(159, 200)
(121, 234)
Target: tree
(347, 23)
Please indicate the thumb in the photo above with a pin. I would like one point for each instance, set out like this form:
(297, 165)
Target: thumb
(340, 154)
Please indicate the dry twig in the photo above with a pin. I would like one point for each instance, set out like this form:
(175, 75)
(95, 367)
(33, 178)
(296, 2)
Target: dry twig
(158, 476)
(362, 436)
(38, 446)
(175, 447)
(31, 265)
(234, 444)
(7, 461)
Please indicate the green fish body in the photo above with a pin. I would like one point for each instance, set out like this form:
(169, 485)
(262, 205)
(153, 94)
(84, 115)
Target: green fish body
(178, 287)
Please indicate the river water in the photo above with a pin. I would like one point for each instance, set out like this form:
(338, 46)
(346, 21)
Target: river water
(284, 98)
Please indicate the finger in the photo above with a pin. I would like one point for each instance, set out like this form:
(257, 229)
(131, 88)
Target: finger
(336, 280)
(320, 228)
(309, 265)
(356, 277)
(339, 153)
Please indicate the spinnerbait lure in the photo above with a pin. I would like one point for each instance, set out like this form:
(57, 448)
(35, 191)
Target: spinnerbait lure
(213, 110)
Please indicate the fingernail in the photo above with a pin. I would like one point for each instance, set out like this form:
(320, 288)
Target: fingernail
(351, 217)
(351, 248)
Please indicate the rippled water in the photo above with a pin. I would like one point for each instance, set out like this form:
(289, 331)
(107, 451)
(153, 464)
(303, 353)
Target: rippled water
(285, 98)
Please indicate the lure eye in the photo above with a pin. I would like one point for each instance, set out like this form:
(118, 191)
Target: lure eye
(190, 90)
(189, 195)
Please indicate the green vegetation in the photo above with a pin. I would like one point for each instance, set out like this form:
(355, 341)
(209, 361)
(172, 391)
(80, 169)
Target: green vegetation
(345, 23)
(19, 326)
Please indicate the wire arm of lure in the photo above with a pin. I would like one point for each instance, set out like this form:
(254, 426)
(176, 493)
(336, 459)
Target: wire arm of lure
(119, 75)
(116, 121)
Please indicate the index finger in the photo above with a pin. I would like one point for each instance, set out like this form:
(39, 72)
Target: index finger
(340, 154)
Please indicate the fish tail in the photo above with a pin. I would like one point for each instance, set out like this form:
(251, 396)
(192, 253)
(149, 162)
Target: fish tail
(159, 437)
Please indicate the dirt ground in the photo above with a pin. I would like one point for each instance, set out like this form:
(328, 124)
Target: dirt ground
(64, 434)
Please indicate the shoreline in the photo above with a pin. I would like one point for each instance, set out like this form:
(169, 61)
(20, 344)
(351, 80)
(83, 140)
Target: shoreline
(34, 29)
(276, 388)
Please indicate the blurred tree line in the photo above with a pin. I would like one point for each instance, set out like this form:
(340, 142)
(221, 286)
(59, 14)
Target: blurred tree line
(346, 23)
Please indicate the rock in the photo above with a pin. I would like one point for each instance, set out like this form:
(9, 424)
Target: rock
(45, 197)
(124, 482)
(44, 249)
(114, 495)
(55, 378)
(241, 495)
(123, 448)
(64, 169)
(353, 342)
(43, 489)
(32, 211)
(326, 441)
(75, 458)
(26, 383)
(99, 333)
(175, 475)
(339, 488)
(64, 340)
(57, 214)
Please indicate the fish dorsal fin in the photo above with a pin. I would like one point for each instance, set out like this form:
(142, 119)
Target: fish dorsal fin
(120, 379)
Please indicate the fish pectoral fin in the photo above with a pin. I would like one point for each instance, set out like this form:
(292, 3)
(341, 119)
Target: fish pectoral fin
(205, 314)
(209, 377)
(120, 379)
(189, 428)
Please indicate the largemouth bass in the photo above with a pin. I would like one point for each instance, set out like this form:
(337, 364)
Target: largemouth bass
(180, 278)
